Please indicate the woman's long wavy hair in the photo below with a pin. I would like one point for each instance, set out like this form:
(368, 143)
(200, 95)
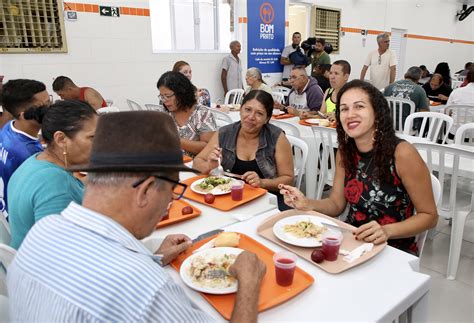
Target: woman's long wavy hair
(384, 135)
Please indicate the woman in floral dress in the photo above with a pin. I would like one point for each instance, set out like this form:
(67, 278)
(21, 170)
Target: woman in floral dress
(382, 177)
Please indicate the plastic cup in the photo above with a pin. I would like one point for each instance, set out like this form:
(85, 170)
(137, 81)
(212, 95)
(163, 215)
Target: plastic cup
(331, 243)
(237, 190)
(285, 265)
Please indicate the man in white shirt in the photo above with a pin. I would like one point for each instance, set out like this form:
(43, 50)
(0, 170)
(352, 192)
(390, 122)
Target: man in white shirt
(382, 62)
(284, 60)
(231, 75)
(463, 95)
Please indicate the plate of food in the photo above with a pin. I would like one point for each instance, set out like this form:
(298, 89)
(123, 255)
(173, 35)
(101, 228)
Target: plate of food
(208, 271)
(216, 185)
(313, 121)
(302, 230)
(277, 112)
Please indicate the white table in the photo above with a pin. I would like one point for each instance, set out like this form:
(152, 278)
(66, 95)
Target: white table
(379, 290)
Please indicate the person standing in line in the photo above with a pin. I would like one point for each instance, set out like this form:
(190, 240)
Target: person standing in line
(285, 60)
(382, 62)
(319, 56)
(231, 75)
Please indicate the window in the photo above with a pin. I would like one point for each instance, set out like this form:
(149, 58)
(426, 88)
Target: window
(326, 24)
(191, 25)
(32, 26)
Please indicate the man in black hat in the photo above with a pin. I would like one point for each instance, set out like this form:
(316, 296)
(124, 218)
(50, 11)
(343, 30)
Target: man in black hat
(88, 263)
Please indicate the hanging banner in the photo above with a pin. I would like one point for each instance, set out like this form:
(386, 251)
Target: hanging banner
(265, 34)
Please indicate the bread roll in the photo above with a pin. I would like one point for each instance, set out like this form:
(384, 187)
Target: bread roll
(324, 122)
(227, 239)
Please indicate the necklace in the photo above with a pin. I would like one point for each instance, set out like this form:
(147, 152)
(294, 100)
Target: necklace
(364, 172)
(54, 156)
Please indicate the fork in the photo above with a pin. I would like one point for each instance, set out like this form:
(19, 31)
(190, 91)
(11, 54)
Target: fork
(220, 169)
(216, 273)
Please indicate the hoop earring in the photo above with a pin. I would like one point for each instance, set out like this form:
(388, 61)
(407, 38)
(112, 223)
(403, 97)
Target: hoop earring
(346, 137)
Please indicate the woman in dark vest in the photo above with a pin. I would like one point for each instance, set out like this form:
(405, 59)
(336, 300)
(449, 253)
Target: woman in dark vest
(251, 147)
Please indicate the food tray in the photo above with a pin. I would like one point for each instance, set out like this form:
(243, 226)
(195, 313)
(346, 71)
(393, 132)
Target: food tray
(175, 214)
(283, 116)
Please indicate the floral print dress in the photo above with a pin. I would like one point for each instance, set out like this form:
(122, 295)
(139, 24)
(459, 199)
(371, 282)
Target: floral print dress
(386, 202)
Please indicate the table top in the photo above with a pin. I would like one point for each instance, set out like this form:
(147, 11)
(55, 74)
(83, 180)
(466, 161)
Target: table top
(378, 290)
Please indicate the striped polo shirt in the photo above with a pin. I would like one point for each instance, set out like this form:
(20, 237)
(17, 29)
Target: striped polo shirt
(83, 266)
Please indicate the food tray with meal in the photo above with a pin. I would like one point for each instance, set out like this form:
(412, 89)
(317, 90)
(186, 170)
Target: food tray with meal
(198, 270)
(301, 232)
(179, 210)
(216, 192)
(317, 122)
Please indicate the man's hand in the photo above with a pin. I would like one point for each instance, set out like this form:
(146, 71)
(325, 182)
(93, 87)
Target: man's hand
(292, 110)
(172, 246)
(247, 268)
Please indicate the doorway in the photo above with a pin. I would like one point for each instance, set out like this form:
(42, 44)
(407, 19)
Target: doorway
(398, 42)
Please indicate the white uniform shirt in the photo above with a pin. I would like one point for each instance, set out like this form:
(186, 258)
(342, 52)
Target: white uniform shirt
(285, 54)
(380, 67)
(234, 72)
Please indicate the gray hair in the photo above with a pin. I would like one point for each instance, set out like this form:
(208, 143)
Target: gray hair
(255, 73)
(234, 42)
(117, 178)
(300, 68)
(380, 37)
(414, 73)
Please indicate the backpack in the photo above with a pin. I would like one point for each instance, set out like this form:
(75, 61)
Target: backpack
(298, 58)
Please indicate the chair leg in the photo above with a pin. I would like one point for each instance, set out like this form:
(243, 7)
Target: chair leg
(457, 231)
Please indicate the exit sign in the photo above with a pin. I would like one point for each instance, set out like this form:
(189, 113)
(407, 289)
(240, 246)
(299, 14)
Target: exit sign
(109, 11)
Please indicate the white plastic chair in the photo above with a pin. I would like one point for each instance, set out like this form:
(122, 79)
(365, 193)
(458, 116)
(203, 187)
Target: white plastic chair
(397, 107)
(222, 119)
(278, 97)
(153, 107)
(109, 102)
(421, 237)
(300, 157)
(461, 114)
(326, 143)
(5, 234)
(281, 89)
(107, 110)
(234, 96)
(288, 128)
(433, 125)
(446, 161)
(455, 84)
(466, 131)
(134, 106)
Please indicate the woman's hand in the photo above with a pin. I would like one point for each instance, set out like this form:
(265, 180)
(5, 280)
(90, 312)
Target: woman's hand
(252, 179)
(294, 198)
(214, 156)
(372, 232)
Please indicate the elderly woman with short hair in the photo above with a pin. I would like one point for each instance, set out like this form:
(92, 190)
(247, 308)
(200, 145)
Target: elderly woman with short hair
(255, 82)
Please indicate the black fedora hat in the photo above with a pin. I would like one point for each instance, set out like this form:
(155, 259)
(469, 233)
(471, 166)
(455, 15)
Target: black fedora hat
(135, 141)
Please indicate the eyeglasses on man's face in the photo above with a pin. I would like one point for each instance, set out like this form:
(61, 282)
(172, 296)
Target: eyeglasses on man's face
(165, 97)
(294, 77)
(178, 188)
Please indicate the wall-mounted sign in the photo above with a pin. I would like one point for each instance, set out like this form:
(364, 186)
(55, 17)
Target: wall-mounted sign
(109, 11)
(265, 34)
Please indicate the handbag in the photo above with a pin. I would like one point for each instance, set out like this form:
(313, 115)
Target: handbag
(298, 58)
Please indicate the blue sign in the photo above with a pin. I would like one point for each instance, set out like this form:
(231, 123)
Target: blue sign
(265, 34)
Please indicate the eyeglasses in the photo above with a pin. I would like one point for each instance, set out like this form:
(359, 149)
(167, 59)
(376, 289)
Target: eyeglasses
(380, 59)
(178, 188)
(163, 97)
(294, 77)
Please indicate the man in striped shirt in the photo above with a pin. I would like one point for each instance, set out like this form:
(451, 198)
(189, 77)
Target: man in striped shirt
(87, 264)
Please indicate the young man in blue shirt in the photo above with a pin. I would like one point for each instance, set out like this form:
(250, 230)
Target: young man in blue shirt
(19, 137)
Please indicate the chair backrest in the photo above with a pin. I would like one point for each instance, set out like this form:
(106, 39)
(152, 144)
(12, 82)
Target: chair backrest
(281, 89)
(288, 128)
(326, 143)
(278, 97)
(300, 157)
(234, 96)
(432, 127)
(109, 102)
(398, 108)
(5, 235)
(446, 160)
(455, 84)
(222, 119)
(465, 135)
(421, 237)
(107, 110)
(152, 107)
(7, 254)
(134, 106)
(461, 113)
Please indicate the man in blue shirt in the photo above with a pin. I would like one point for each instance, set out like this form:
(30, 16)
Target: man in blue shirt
(19, 137)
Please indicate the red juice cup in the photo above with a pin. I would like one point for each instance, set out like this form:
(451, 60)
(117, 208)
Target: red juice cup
(237, 190)
(331, 242)
(285, 265)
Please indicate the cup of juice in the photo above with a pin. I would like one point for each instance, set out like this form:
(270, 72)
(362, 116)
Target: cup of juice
(285, 265)
(331, 243)
(237, 190)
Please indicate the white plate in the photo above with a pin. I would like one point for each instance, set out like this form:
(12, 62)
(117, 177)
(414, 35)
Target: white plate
(277, 112)
(312, 121)
(278, 230)
(215, 190)
(183, 272)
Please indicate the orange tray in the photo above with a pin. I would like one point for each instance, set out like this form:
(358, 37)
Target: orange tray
(223, 202)
(283, 116)
(186, 159)
(175, 214)
(434, 103)
(271, 294)
(304, 123)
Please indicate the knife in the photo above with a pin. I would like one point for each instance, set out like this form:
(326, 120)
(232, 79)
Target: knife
(233, 175)
(335, 227)
(206, 235)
